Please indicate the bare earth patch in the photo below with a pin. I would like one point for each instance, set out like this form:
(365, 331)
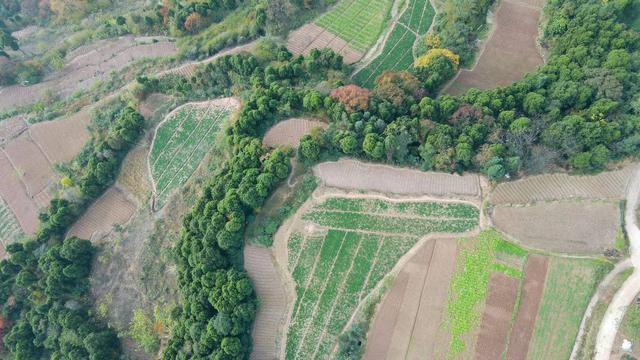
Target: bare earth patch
(357, 175)
(496, 320)
(576, 227)
(112, 208)
(606, 185)
(268, 284)
(134, 177)
(289, 132)
(61, 139)
(510, 51)
(312, 36)
(407, 322)
(31, 163)
(535, 273)
(11, 128)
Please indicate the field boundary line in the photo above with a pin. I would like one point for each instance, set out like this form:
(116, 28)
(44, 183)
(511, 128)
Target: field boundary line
(317, 302)
(343, 284)
(419, 198)
(197, 146)
(401, 216)
(17, 173)
(365, 283)
(303, 244)
(173, 134)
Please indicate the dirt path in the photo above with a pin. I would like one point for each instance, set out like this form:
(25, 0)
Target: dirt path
(631, 287)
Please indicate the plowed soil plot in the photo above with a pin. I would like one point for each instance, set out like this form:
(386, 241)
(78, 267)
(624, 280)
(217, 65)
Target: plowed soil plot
(510, 51)
(289, 132)
(9, 228)
(14, 193)
(62, 139)
(407, 322)
(258, 262)
(311, 36)
(357, 175)
(11, 127)
(182, 140)
(606, 185)
(496, 320)
(85, 66)
(533, 284)
(112, 208)
(333, 271)
(582, 228)
(30, 162)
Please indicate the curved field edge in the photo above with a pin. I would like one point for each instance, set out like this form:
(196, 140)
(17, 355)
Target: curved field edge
(182, 140)
(357, 258)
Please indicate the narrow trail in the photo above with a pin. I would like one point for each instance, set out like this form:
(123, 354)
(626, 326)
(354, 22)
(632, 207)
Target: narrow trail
(631, 287)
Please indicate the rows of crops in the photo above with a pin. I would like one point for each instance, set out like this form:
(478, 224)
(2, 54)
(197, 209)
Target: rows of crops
(397, 53)
(333, 272)
(9, 228)
(358, 22)
(181, 143)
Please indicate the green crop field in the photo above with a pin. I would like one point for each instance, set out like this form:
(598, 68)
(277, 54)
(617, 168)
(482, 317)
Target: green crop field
(333, 272)
(568, 289)
(180, 144)
(9, 229)
(358, 22)
(397, 53)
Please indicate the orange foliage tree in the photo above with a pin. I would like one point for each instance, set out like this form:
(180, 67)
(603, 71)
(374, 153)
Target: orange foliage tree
(353, 97)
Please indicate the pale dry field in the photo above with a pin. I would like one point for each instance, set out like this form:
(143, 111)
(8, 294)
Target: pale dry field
(61, 139)
(30, 162)
(357, 175)
(84, 66)
(606, 185)
(14, 192)
(112, 208)
(11, 128)
(566, 227)
(312, 36)
(272, 312)
(407, 321)
(510, 51)
(134, 176)
(289, 132)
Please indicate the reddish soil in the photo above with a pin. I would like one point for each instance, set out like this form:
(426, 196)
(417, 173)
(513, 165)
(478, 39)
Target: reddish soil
(568, 227)
(407, 323)
(15, 195)
(312, 36)
(496, 320)
(357, 175)
(606, 185)
(289, 132)
(11, 127)
(61, 139)
(267, 328)
(509, 53)
(112, 208)
(32, 165)
(535, 273)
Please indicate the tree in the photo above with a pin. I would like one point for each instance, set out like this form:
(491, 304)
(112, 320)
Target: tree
(7, 41)
(352, 97)
(193, 23)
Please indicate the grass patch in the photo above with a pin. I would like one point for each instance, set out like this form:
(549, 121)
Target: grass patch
(507, 270)
(509, 248)
(568, 289)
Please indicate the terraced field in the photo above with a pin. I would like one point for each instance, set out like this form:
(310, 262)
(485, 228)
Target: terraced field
(182, 141)
(361, 241)
(397, 53)
(9, 227)
(358, 22)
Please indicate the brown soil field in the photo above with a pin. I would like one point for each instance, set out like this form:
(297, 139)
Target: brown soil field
(15, 195)
(496, 320)
(112, 208)
(86, 65)
(11, 128)
(407, 322)
(312, 36)
(357, 175)
(31, 163)
(289, 132)
(606, 185)
(510, 50)
(61, 139)
(259, 264)
(574, 227)
(535, 273)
